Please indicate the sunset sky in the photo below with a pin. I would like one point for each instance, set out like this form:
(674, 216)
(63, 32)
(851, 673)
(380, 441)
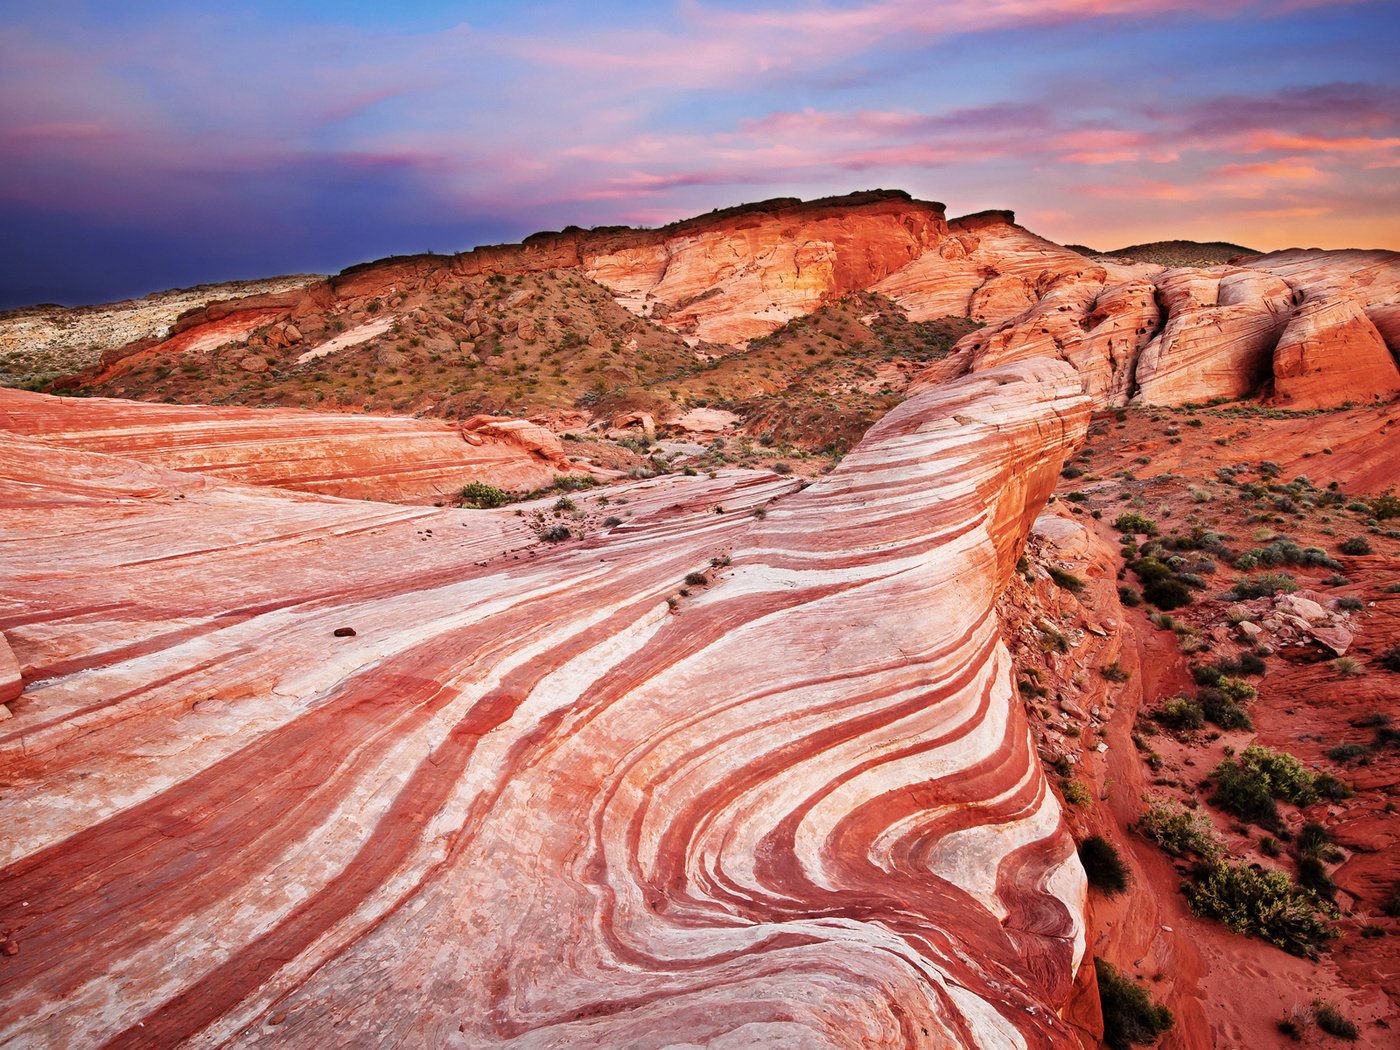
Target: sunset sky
(155, 144)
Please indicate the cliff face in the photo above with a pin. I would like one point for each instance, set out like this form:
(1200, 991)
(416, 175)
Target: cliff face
(1309, 329)
(528, 801)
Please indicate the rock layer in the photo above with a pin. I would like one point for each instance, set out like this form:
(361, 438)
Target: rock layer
(1310, 329)
(528, 802)
(359, 457)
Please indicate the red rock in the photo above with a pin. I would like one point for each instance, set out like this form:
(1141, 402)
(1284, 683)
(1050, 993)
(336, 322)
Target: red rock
(356, 456)
(11, 679)
(1331, 353)
(1219, 335)
(804, 794)
(1337, 639)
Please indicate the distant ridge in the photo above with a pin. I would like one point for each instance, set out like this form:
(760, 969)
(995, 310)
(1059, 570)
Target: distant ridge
(1174, 253)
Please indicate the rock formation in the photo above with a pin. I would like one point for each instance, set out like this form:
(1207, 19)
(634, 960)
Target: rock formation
(354, 456)
(527, 801)
(725, 760)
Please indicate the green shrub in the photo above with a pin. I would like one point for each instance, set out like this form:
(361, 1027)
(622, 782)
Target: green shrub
(1265, 585)
(1170, 593)
(1344, 753)
(1390, 659)
(1223, 711)
(1130, 1017)
(1133, 523)
(1180, 713)
(1178, 831)
(1103, 865)
(1068, 580)
(480, 495)
(1076, 794)
(1114, 672)
(1129, 596)
(1262, 904)
(1249, 785)
(1355, 545)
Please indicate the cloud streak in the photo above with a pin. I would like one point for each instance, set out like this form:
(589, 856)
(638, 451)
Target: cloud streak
(186, 131)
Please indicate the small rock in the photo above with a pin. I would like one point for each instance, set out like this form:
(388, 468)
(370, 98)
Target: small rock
(254, 363)
(344, 632)
(5, 713)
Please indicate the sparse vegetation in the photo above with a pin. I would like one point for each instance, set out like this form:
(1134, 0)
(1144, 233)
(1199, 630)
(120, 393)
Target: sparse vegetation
(1178, 831)
(1130, 1017)
(1103, 865)
(1332, 1021)
(1262, 904)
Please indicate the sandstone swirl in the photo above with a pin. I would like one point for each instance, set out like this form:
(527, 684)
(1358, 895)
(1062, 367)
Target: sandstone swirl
(353, 456)
(529, 802)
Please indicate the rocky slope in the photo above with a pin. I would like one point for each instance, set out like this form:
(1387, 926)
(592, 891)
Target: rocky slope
(622, 320)
(456, 827)
(40, 343)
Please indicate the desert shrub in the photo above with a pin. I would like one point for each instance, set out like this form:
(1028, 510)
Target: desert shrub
(1133, 524)
(1223, 711)
(696, 579)
(556, 534)
(1262, 904)
(1355, 545)
(1332, 788)
(1169, 593)
(1390, 659)
(1103, 865)
(574, 482)
(1180, 713)
(1332, 1021)
(1076, 794)
(1178, 831)
(1130, 1017)
(611, 521)
(1114, 672)
(1387, 506)
(1129, 596)
(1068, 580)
(1248, 786)
(1347, 603)
(1344, 753)
(1312, 874)
(1283, 551)
(1265, 585)
(480, 495)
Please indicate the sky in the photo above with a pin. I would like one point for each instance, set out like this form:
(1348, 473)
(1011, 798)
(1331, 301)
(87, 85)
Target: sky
(149, 145)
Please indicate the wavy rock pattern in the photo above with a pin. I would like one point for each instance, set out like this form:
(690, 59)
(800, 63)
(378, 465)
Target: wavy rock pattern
(358, 457)
(527, 803)
(1311, 329)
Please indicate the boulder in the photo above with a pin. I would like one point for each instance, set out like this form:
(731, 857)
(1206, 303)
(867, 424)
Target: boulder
(1304, 609)
(1337, 639)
